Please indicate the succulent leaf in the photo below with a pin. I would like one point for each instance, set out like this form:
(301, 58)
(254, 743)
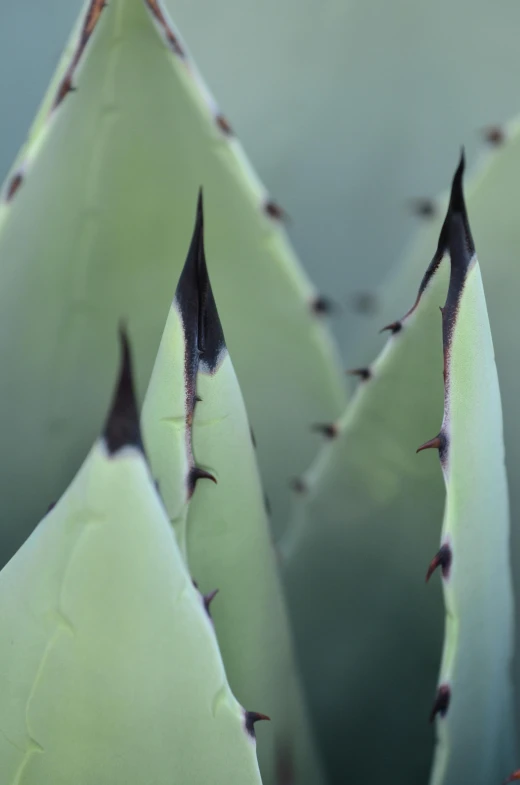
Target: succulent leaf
(367, 518)
(93, 225)
(492, 204)
(474, 702)
(200, 423)
(110, 671)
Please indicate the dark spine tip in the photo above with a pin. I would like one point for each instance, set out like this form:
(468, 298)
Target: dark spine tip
(196, 474)
(250, 718)
(329, 430)
(51, 506)
(425, 208)
(494, 135)
(273, 210)
(394, 327)
(14, 184)
(441, 703)
(442, 559)
(194, 296)
(122, 425)
(267, 505)
(363, 373)
(513, 777)
(457, 193)
(224, 125)
(299, 485)
(208, 599)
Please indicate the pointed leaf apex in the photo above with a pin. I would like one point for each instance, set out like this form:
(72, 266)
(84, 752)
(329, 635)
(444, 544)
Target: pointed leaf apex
(200, 208)
(122, 427)
(196, 303)
(457, 204)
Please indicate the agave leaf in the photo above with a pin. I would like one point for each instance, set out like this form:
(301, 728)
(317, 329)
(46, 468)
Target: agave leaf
(92, 225)
(474, 702)
(491, 198)
(196, 430)
(110, 670)
(367, 518)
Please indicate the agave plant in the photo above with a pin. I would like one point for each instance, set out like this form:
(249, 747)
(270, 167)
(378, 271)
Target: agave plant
(207, 564)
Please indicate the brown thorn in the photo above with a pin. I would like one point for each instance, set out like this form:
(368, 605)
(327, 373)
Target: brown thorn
(433, 444)
(394, 327)
(329, 430)
(513, 777)
(14, 185)
(224, 125)
(322, 305)
(65, 88)
(363, 373)
(196, 474)
(174, 43)
(299, 485)
(442, 559)
(441, 703)
(155, 8)
(425, 208)
(274, 210)
(250, 718)
(494, 135)
(208, 599)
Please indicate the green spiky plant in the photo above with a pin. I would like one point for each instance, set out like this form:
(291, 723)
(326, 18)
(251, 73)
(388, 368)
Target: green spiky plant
(120, 664)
